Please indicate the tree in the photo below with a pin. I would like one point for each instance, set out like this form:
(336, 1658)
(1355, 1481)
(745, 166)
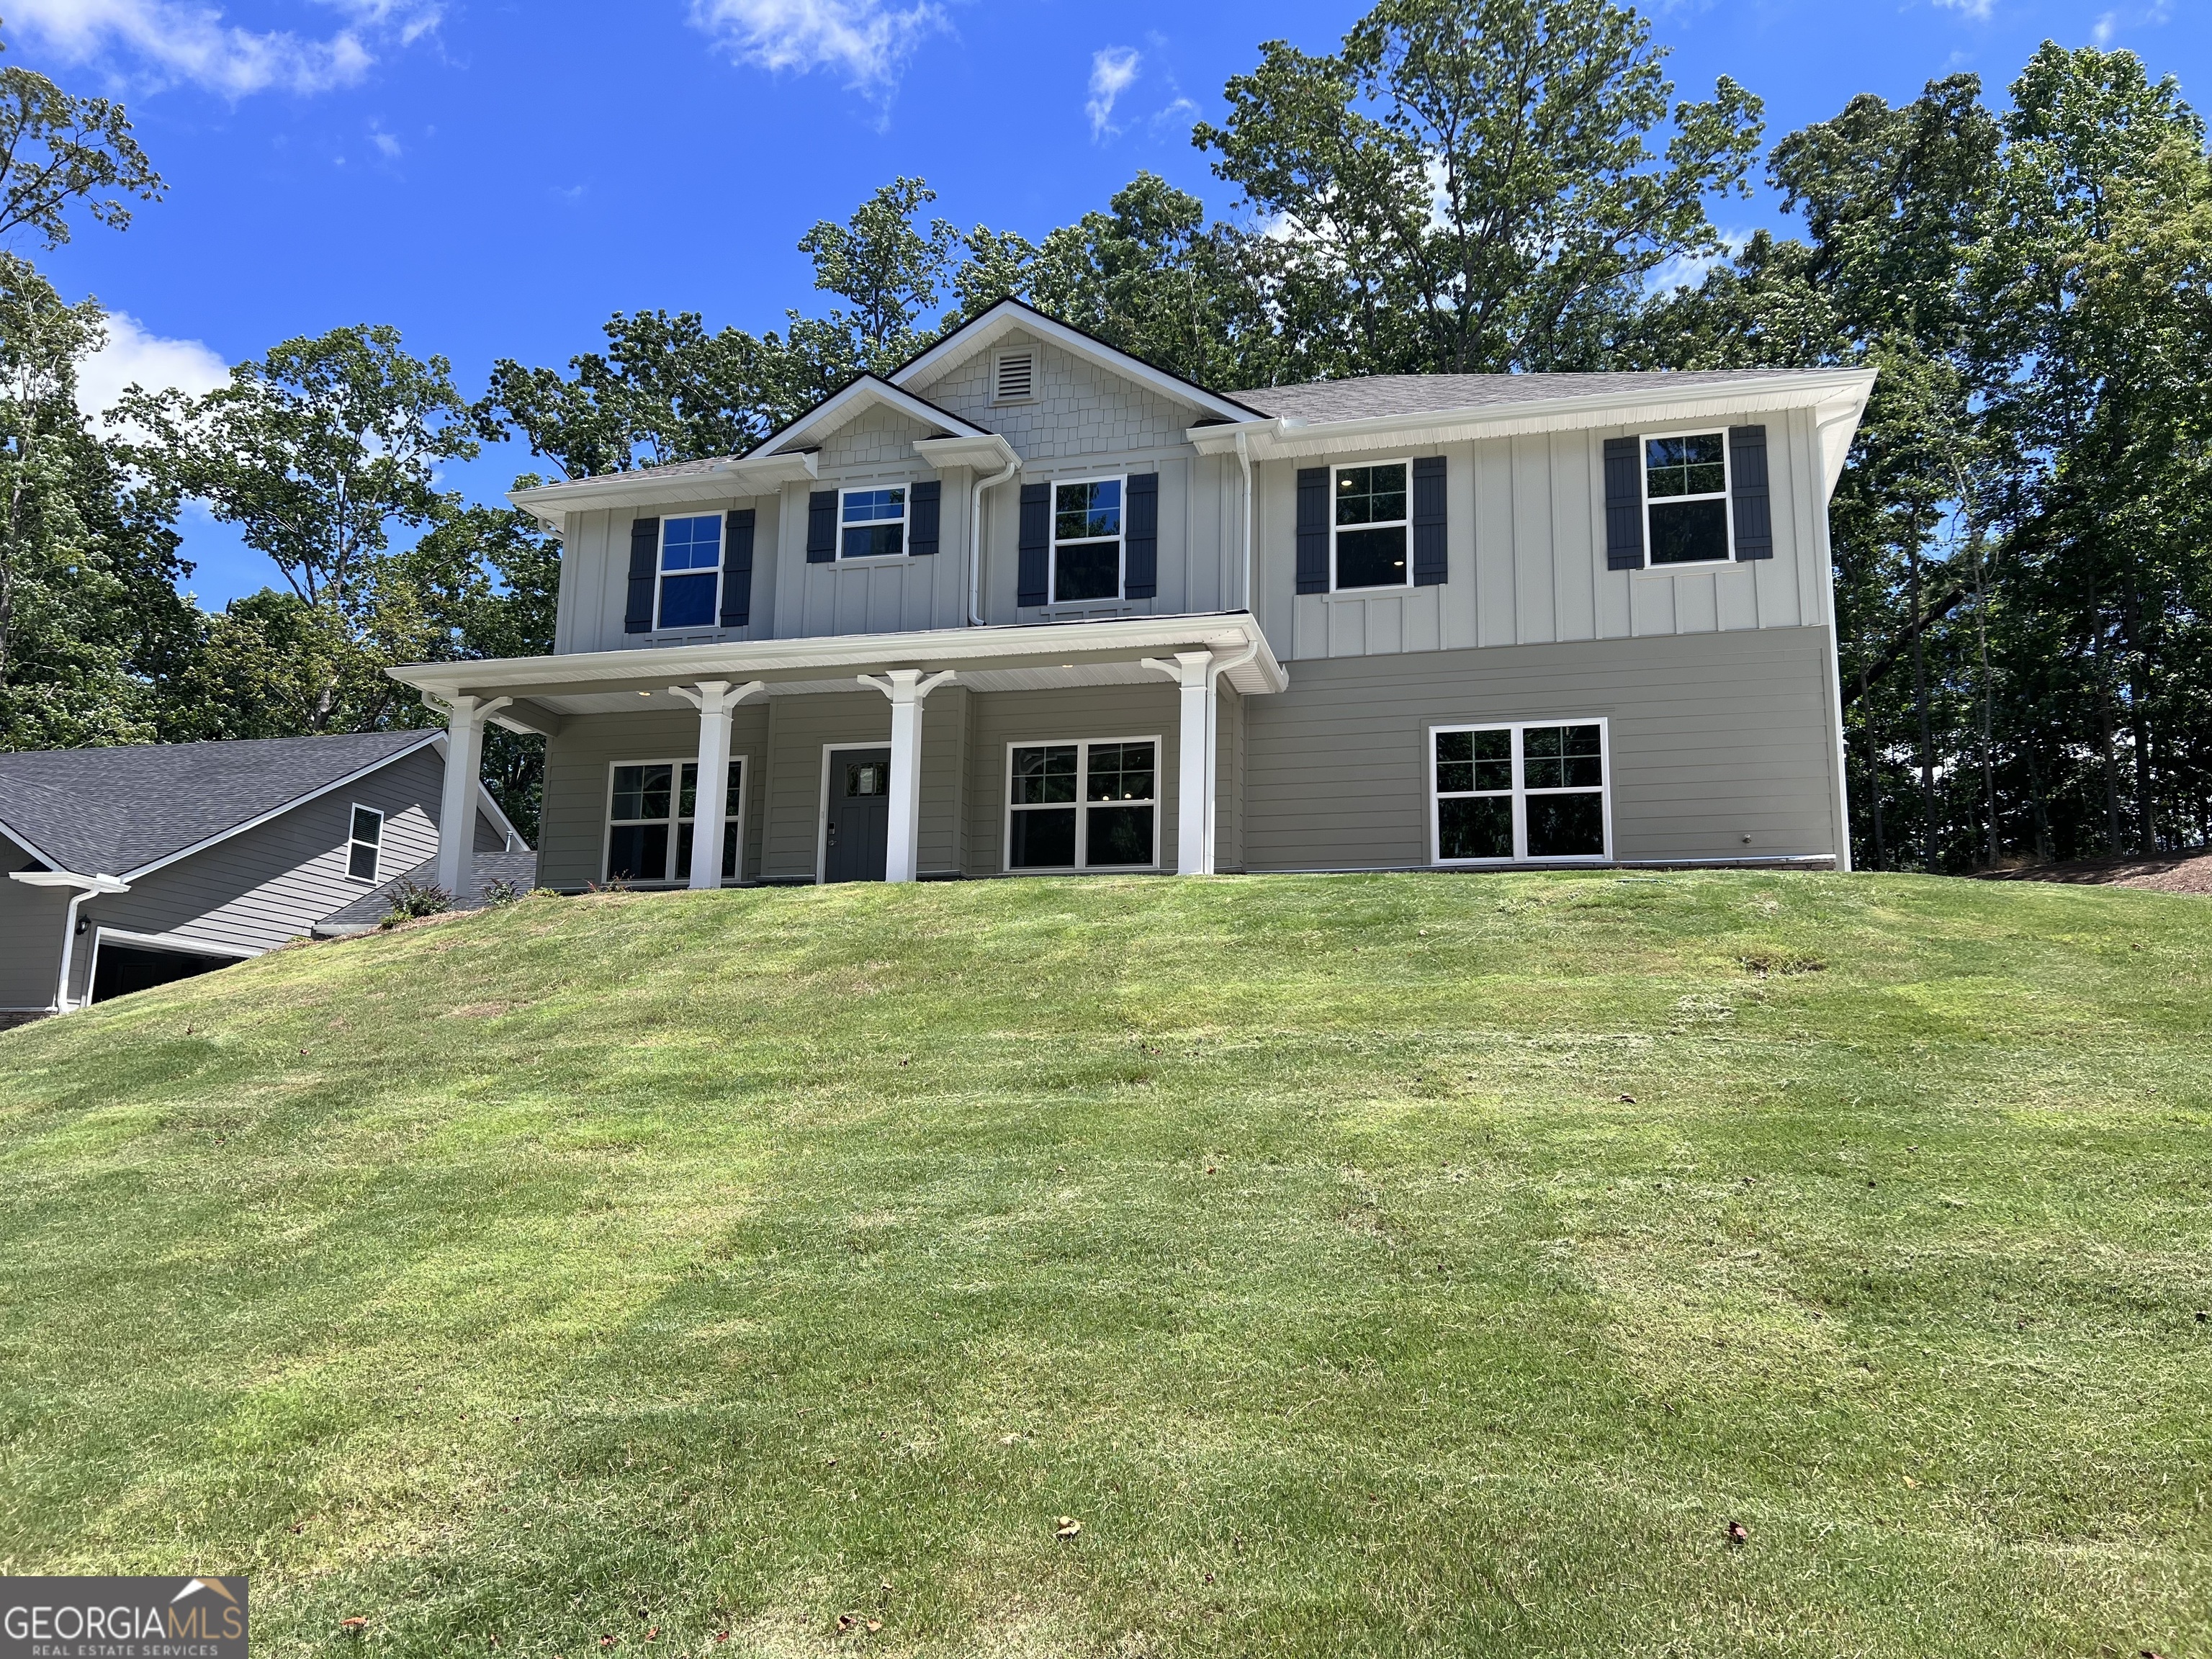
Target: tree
(57, 149)
(317, 452)
(1467, 185)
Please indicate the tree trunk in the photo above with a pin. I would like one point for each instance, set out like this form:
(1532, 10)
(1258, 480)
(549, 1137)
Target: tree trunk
(1874, 772)
(2113, 840)
(1920, 705)
(1995, 849)
(2139, 719)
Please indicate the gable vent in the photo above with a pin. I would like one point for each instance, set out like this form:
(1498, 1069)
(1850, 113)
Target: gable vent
(1015, 378)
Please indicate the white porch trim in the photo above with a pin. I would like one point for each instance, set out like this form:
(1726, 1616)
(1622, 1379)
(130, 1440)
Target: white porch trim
(906, 688)
(716, 701)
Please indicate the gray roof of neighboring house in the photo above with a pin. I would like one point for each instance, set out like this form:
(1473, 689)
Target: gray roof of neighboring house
(109, 812)
(1374, 395)
(517, 870)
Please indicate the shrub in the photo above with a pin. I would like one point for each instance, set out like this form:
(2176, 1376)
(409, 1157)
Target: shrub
(412, 899)
(498, 893)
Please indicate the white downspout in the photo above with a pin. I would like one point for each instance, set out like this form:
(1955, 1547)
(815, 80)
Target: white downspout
(68, 951)
(976, 539)
(86, 887)
(1244, 460)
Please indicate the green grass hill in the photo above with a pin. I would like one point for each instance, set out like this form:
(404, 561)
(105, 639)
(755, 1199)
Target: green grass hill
(1374, 1264)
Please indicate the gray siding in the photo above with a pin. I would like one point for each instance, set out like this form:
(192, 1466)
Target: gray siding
(272, 884)
(1080, 412)
(1021, 717)
(31, 920)
(1721, 747)
(1527, 536)
(579, 765)
(595, 578)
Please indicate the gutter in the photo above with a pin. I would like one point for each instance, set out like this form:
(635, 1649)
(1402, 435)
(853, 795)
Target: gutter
(88, 887)
(975, 536)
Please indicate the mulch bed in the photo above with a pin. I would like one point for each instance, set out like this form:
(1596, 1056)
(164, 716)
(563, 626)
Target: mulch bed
(2186, 872)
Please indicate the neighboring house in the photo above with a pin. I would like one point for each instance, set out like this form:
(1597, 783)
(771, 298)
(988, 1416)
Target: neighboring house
(132, 866)
(1030, 605)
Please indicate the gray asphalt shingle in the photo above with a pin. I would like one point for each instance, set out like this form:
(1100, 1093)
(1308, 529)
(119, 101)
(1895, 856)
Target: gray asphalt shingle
(1373, 395)
(108, 811)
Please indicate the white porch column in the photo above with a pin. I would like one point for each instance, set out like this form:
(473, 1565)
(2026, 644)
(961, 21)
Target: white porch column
(457, 811)
(1192, 672)
(906, 688)
(716, 701)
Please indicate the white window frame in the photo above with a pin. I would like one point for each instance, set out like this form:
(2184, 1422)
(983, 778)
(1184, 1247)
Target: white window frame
(1082, 866)
(376, 863)
(1035, 364)
(1520, 791)
(1727, 495)
(735, 824)
(661, 573)
(1053, 545)
(905, 521)
(1407, 522)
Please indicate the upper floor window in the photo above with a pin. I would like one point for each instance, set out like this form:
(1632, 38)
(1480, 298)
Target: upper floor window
(1371, 528)
(1086, 541)
(691, 570)
(1686, 492)
(871, 523)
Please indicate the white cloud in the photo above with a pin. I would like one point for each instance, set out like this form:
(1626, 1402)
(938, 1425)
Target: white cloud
(185, 40)
(134, 357)
(1113, 71)
(2102, 33)
(385, 142)
(870, 40)
(1979, 10)
(1179, 114)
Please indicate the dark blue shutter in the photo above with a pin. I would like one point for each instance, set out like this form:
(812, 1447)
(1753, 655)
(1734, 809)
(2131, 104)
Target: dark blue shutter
(821, 526)
(1140, 544)
(1755, 518)
(1432, 553)
(738, 568)
(1624, 505)
(644, 555)
(922, 502)
(1313, 530)
(1034, 583)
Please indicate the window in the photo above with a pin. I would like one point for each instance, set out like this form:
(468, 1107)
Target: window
(871, 523)
(1014, 378)
(691, 570)
(1503, 793)
(1083, 806)
(1086, 540)
(365, 844)
(1685, 489)
(1370, 526)
(645, 839)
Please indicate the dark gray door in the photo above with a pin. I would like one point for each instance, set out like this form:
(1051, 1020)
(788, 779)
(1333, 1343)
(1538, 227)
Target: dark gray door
(859, 814)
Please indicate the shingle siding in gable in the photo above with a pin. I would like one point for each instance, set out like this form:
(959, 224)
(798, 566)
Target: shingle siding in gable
(880, 438)
(1079, 412)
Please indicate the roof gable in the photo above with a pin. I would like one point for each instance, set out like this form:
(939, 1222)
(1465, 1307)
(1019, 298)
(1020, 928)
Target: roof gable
(1008, 316)
(857, 398)
(113, 811)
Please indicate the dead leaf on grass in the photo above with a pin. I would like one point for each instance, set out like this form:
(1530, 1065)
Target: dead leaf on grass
(1069, 1527)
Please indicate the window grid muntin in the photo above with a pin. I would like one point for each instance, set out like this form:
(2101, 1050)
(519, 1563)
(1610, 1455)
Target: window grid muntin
(1091, 518)
(690, 564)
(1367, 500)
(1724, 494)
(676, 794)
(872, 522)
(1072, 792)
(1520, 791)
(356, 843)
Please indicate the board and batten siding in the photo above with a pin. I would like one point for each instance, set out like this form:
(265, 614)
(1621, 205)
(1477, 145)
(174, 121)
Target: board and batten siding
(1720, 746)
(594, 588)
(1526, 535)
(272, 884)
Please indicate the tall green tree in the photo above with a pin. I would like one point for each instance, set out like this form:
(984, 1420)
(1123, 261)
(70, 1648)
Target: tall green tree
(1472, 186)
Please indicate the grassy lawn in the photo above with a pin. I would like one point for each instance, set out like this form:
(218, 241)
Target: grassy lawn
(1372, 1265)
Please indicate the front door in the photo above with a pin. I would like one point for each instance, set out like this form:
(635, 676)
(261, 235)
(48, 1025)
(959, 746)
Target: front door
(859, 814)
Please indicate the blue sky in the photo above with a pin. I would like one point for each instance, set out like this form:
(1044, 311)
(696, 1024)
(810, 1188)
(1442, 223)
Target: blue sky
(496, 178)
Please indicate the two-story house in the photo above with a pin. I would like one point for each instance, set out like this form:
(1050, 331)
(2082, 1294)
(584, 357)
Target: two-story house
(1030, 605)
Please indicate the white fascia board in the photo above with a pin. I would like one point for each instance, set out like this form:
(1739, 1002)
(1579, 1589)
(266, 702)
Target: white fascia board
(70, 878)
(429, 739)
(941, 647)
(1842, 390)
(856, 398)
(1008, 315)
(750, 475)
(989, 453)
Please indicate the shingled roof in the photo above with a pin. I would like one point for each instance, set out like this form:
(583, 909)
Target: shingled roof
(1373, 395)
(112, 811)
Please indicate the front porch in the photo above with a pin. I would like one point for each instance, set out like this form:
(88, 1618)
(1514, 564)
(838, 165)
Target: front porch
(1102, 746)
